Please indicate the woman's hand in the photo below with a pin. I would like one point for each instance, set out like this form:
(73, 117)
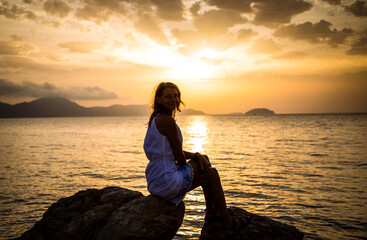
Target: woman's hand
(203, 161)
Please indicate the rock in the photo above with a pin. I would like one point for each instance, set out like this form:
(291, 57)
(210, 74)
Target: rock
(260, 112)
(259, 228)
(109, 213)
(148, 218)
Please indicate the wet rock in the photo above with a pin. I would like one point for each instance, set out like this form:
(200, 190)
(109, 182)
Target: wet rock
(258, 228)
(109, 213)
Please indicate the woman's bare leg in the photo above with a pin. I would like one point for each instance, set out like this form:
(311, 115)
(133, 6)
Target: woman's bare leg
(213, 190)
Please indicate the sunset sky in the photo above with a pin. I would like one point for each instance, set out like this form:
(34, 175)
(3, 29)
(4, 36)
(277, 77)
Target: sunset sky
(291, 56)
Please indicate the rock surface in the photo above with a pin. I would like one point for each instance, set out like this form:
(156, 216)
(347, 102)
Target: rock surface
(109, 213)
(258, 228)
(115, 213)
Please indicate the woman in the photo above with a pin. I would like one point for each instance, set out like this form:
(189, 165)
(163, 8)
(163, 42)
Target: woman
(168, 173)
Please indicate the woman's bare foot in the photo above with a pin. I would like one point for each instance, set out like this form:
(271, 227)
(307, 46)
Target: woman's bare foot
(235, 225)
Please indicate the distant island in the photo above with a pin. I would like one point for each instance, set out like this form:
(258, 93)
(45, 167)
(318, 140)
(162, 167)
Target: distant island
(253, 112)
(62, 107)
(260, 112)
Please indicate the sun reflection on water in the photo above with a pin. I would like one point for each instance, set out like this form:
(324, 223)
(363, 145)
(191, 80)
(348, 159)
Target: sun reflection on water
(197, 133)
(196, 139)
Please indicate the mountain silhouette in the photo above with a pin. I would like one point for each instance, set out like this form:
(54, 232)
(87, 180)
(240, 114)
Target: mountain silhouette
(62, 107)
(260, 112)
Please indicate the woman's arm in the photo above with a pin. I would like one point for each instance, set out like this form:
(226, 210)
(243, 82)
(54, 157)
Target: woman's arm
(189, 155)
(203, 160)
(166, 125)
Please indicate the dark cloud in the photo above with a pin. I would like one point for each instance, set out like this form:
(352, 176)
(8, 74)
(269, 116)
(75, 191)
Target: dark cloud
(271, 13)
(56, 8)
(81, 46)
(148, 25)
(245, 35)
(333, 2)
(99, 11)
(237, 5)
(359, 47)
(214, 22)
(314, 33)
(265, 46)
(16, 12)
(169, 10)
(30, 89)
(358, 8)
(195, 8)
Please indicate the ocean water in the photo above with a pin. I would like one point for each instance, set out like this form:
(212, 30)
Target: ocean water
(309, 171)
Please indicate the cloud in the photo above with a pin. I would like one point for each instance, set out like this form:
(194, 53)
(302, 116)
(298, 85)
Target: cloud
(99, 11)
(214, 22)
(266, 46)
(30, 89)
(290, 55)
(53, 24)
(195, 8)
(244, 35)
(211, 30)
(236, 5)
(169, 10)
(190, 39)
(359, 47)
(333, 2)
(148, 25)
(358, 8)
(271, 13)
(81, 46)
(15, 47)
(314, 33)
(16, 12)
(56, 8)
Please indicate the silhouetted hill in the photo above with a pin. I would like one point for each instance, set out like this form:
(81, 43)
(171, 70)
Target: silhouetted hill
(260, 112)
(191, 112)
(62, 107)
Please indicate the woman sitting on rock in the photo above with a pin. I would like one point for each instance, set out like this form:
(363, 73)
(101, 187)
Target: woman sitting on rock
(168, 173)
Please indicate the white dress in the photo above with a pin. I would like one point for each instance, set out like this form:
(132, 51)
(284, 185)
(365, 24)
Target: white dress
(165, 177)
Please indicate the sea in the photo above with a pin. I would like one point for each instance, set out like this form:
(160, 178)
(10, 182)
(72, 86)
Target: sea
(309, 171)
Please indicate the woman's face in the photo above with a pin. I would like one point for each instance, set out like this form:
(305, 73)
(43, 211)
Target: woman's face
(169, 99)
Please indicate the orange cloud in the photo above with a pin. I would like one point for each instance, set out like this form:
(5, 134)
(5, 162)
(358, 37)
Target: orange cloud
(81, 46)
(148, 25)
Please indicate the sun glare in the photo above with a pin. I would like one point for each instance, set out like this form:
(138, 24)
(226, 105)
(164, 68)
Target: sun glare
(192, 70)
(198, 134)
(178, 67)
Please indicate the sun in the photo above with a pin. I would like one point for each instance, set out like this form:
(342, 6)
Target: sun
(176, 66)
(191, 69)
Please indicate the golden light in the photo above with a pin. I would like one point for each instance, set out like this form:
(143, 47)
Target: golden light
(198, 134)
(191, 70)
(178, 67)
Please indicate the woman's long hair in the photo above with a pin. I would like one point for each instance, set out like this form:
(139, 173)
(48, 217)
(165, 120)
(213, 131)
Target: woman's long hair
(157, 108)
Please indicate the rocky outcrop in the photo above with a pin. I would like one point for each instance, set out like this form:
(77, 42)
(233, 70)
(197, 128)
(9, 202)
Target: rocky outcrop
(258, 228)
(115, 213)
(110, 213)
